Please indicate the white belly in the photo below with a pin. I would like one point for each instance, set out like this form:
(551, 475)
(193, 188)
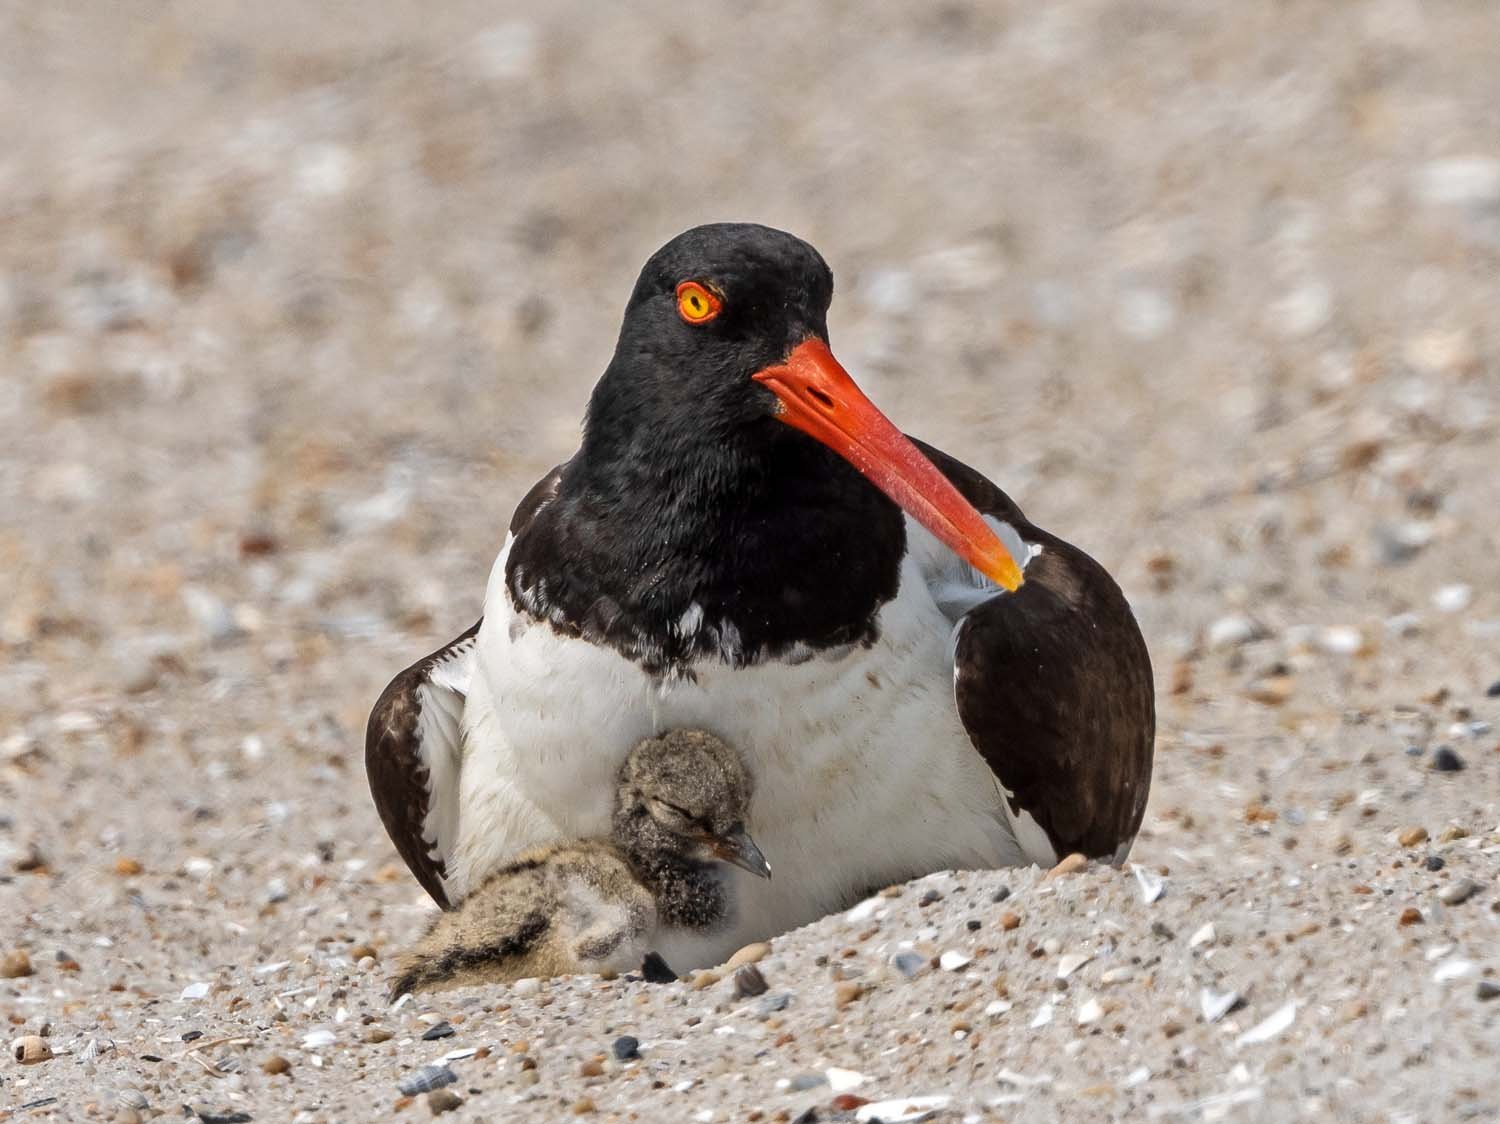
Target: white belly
(863, 773)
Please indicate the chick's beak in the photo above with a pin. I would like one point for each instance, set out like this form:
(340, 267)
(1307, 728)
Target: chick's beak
(738, 848)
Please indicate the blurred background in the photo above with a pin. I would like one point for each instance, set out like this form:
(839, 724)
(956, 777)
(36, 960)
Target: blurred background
(297, 300)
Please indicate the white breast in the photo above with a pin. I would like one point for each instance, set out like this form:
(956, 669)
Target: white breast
(863, 773)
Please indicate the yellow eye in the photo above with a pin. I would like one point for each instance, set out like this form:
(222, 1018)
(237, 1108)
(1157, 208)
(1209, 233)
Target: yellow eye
(695, 304)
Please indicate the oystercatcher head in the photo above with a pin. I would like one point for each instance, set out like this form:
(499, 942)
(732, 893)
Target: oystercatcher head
(734, 471)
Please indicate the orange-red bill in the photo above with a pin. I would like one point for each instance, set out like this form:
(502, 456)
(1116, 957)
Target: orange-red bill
(819, 398)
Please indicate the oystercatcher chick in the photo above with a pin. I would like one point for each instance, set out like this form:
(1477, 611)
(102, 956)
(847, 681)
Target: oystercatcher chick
(598, 905)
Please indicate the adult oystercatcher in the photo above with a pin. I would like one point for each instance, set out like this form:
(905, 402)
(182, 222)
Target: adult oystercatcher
(744, 543)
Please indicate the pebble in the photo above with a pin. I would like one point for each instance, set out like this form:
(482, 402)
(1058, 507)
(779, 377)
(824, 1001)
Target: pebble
(31, 1049)
(1412, 836)
(749, 982)
(653, 970)
(317, 1039)
(533, 986)
(440, 1101)
(1409, 916)
(591, 1067)
(1487, 989)
(1447, 760)
(750, 954)
(1232, 631)
(1341, 640)
(15, 965)
(275, 1064)
(438, 1030)
(1458, 891)
(928, 898)
(1453, 598)
(378, 1034)
(1070, 864)
(846, 992)
(426, 1079)
(626, 1048)
(128, 868)
(909, 964)
(773, 1003)
(952, 961)
(1493, 691)
(1004, 892)
(1434, 863)
(583, 1106)
(1009, 921)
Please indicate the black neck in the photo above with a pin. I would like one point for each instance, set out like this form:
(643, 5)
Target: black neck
(778, 543)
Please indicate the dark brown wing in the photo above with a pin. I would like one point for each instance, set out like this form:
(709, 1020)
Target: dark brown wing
(412, 756)
(1054, 687)
(413, 741)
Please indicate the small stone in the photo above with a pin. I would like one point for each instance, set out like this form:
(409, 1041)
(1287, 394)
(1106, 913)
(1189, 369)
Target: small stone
(360, 951)
(626, 1048)
(31, 1049)
(1458, 891)
(1409, 916)
(275, 1064)
(973, 925)
(1232, 631)
(655, 970)
(440, 1101)
(1493, 691)
(530, 986)
(1009, 921)
(842, 1080)
(1450, 834)
(128, 868)
(1453, 598)
(1071, 864)
(582, 1106)
(1412, 836)
(773, 1003)
(846, 992)
(928, 898)
(1446, 760)
(592, 1067)
(1004, 892)
(952, 961)
(750, 954)
(704, 978)
(438, 1030)
(15, 965)
(378, 1034)
(749, 982)
(1487, 989)
(1434, 863)
(848, 1102)
(909, 963)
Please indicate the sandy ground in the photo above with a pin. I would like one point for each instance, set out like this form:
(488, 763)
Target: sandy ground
(295, 301)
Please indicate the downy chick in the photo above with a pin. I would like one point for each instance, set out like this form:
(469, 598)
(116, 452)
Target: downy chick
(598, 905)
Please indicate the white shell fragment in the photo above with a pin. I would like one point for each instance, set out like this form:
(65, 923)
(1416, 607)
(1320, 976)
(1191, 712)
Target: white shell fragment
(903, 1110)
(1268, 1028)
(194, 991)
(1454, 969)
(1152, 884)
(1090, 1011)
(1071, 963)
(842, 1080)
(1215, 1005)
(1206, 935)
(317, 1039)
(1042, 1017)
(952, 961)
(426, 1079)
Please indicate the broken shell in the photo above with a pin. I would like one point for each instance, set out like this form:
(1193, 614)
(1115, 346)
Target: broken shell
(426, 1079)
(31, 1049)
